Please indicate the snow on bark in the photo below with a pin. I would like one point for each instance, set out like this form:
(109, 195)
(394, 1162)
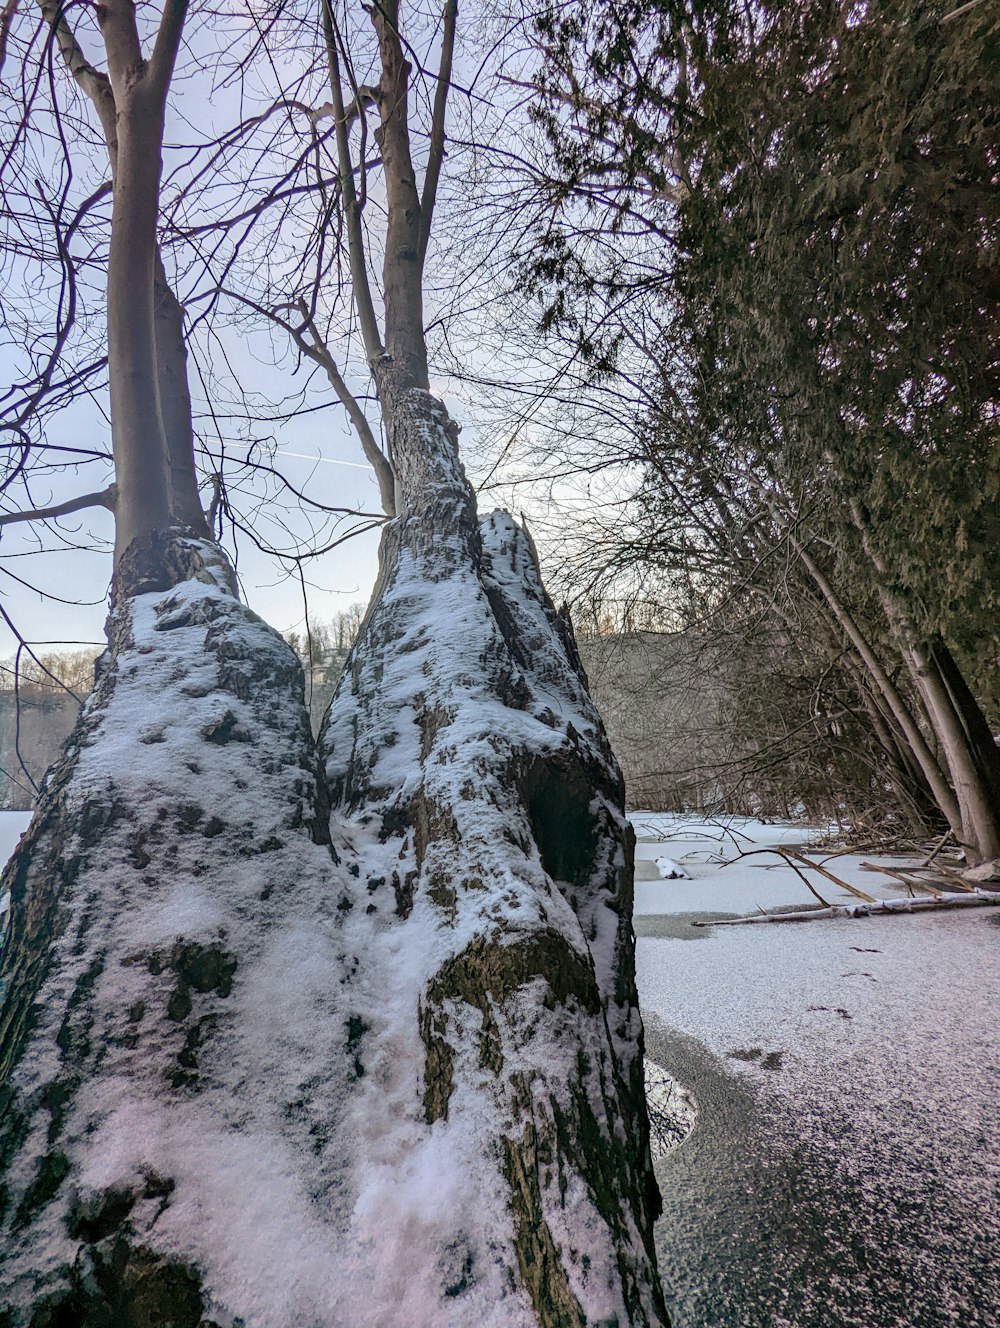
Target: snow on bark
(261, 1065)
(498, 1132)
(174, 1055)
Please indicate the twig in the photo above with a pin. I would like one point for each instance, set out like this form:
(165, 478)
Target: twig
(908, 881)
(962, 9)
(939, 845)
(783, 853)
(957, 879)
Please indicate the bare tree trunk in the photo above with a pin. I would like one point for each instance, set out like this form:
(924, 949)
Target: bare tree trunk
(978, 796)
(984, 745)
(955, 716)
(904, 771)
(495, 999)
(174, 401)
(402, 270)
(152, 438)
(141, 463)
(943, 794)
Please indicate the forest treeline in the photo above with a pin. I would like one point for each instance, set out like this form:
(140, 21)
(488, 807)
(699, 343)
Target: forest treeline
(669, 700)
(663, 705)
(778, 228)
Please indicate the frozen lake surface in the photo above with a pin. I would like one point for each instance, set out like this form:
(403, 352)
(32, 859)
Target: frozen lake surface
(844, 1171)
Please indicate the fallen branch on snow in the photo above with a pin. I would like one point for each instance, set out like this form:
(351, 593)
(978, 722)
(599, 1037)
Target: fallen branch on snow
(977, 898)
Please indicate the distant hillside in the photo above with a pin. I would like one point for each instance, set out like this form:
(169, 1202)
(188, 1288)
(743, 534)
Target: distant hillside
(661, 696)
(36, 716)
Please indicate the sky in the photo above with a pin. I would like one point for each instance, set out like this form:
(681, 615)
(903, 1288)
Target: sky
(315, 451)
(53, 590)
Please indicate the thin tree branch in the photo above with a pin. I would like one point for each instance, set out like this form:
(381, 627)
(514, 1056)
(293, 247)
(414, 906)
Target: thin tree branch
(365, 96)
(370, 333)
(94, 82)
(166, 46)
(317, 351)
(962, 9)
(436, 155)
(106, 498)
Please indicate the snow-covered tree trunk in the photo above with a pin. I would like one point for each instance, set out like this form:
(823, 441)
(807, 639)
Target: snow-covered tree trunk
(171, 1045)
(498, 1133)
(264, 1066)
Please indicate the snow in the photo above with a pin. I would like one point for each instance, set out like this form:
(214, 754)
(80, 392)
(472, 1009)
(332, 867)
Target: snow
(868, 1045)
(669, 870)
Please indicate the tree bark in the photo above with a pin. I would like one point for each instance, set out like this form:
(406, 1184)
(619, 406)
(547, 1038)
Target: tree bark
(141, 463)
(174, 400)
(152, 436)
(402, 269)
(943, 794)
(498, 1025)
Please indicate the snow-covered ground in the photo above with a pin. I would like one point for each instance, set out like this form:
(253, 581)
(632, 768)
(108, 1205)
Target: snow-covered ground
(845, 1165)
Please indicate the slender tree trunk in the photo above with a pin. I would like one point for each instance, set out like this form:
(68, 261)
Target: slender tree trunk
(402, 269)
(943, 794)
(904, 772)
(968, 708)
(954, 713)
(141, 463)
(174, 401)
(978, 797)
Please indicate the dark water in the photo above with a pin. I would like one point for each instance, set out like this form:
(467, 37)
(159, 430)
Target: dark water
(773, 1221)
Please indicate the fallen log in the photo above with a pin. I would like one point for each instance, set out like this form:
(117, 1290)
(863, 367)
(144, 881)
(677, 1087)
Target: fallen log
(979, 898)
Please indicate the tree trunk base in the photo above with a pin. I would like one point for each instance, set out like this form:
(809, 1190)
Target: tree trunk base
(266, 1067)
